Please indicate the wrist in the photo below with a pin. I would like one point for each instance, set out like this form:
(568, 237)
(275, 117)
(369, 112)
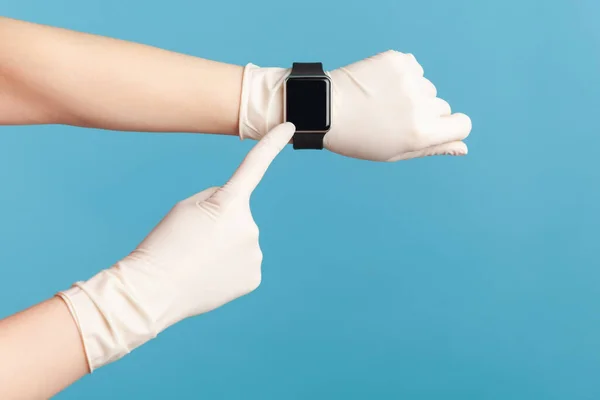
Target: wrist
(261, 105)
(118, 310)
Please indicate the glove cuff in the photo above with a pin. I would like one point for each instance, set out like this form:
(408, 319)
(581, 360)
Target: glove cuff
(111, 319)
(261, 105)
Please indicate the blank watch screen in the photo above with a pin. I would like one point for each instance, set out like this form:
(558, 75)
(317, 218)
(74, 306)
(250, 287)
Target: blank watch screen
(307, 103)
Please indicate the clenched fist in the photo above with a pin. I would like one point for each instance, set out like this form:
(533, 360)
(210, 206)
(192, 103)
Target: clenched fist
(383, 109)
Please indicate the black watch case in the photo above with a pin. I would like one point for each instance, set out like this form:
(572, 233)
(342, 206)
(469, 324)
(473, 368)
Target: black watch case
(307, 103)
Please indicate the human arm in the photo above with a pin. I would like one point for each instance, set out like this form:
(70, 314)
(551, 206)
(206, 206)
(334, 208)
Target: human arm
(383, 108)
(203, 254)
(57, 76)
(41, 352)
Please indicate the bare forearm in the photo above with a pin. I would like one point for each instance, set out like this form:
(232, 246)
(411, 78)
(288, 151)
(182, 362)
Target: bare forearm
(53, 75)
(40, 352)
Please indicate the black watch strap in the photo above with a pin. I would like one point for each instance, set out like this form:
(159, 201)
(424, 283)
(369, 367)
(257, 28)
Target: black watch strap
(308, 141)
(303, 69)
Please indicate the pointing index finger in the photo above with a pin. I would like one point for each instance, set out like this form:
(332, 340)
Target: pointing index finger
(257, 161)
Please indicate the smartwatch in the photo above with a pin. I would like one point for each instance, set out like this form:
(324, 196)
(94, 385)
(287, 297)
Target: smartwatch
(307, 104)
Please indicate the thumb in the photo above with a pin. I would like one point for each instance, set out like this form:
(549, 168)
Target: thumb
(257, 161)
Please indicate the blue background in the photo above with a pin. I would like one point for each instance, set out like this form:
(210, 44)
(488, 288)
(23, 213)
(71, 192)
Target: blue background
(445, 278)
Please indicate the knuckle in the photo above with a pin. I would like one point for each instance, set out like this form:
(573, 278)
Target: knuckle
(392, 54)
(181, 203)
(444, 105)
(413, 64)
(395, 60)
(225, 190)
(180, 206)
(254, 281)
(428, 84)
(210, 207)
(419, 69)
(443, 102)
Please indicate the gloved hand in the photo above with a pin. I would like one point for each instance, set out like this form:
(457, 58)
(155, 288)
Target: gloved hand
(383, 109)
(203, 254)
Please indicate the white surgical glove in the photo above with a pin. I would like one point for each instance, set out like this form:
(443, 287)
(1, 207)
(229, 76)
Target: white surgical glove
(383, 109)
(203, 254)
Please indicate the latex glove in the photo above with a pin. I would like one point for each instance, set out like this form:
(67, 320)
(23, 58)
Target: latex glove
(203, 254)
(383, 109)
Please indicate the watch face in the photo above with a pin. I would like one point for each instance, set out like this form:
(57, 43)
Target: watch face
(307, 103)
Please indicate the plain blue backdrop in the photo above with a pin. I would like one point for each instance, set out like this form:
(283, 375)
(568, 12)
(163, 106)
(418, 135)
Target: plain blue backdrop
(445, 278)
